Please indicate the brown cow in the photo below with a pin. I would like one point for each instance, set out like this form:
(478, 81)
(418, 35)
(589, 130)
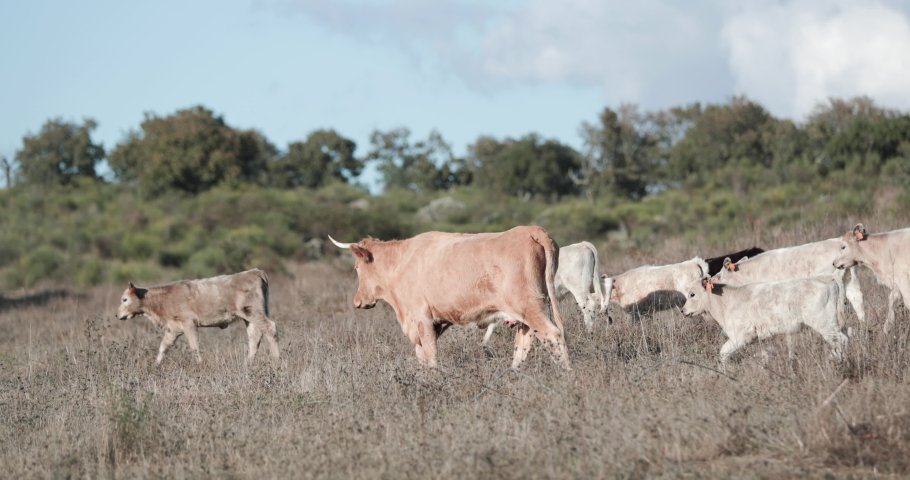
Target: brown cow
(437, 279)
(181, 307)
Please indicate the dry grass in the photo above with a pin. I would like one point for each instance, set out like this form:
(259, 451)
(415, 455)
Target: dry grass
(80, 396)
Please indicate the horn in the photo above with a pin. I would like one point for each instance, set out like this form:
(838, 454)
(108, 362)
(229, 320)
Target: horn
(339, 244)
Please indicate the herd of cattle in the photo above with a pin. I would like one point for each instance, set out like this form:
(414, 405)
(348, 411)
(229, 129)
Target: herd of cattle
(435, 280)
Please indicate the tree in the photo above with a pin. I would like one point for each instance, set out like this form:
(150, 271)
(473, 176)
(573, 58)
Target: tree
(525, 167)
(323, 156)
(741, 131)
(192, 150)
(623, 151)
(60, 152)
(8, 167)
(424, 166)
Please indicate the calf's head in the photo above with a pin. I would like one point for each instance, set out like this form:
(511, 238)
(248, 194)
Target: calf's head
(697, 297)
(368, 291)
(849, 254)
(131, 302)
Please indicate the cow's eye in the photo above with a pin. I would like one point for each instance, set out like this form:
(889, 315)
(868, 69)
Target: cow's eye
(692, 295)
(124, 300)
(842, 247)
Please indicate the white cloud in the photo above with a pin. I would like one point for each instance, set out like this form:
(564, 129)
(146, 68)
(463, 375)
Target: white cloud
(625, 48)
(790, 56)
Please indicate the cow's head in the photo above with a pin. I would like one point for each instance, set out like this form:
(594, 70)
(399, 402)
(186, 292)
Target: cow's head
(728, 268)
(369, 291)
(698, 295)
(131, 302)
(849, 254)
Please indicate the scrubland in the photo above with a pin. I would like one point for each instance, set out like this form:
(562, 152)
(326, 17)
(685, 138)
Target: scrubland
(81, 398)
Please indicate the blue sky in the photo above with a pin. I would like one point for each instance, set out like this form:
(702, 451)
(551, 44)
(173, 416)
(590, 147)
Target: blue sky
(465, 68)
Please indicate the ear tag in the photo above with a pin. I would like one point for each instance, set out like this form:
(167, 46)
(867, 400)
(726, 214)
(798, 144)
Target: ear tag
(860, 236)
(709, 286)
(732, 267)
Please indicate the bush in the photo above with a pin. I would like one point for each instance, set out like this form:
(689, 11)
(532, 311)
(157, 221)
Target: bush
(39, 264)
(89, 272)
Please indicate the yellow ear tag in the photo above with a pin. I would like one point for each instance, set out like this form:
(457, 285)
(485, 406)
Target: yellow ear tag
(859, 235)
(709, 286)
(732, 267)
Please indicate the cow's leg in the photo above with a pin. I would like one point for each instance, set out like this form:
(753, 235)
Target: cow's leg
(489, 334)
(169, 338)
(855, 295)
(424, 338)
(255, 336)
(192, 337)
(523, 341)
(838, 343)
(894, 298)
(728, 349)
(588, 307)
(270, 330)
(548, 334)
(428, 342)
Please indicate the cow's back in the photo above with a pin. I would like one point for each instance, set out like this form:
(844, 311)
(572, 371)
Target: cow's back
(809, 260)
(217, 300)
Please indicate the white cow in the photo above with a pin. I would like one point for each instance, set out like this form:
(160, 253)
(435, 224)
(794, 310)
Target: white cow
(643, 285)
(180, 308)
(886, 254)
(762, 310)
(802, 261)
(579, 274)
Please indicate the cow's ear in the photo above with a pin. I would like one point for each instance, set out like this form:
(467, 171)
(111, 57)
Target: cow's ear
(859, 232)
(132, 289)
(362, 253)
(729, 265)
(706, 283)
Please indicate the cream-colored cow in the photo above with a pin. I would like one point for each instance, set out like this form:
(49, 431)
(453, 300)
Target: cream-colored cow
(802, 261)
(648, 283)
(762, 310)
(180, 308)
(886, 254)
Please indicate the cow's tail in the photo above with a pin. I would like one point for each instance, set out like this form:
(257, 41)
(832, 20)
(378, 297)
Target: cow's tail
(598, 281)
(264, 283)
(551, 252)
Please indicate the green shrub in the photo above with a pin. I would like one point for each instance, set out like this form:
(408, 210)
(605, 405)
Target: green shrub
(40, 263)
(139, 246)
(130, 271)
(89, 272)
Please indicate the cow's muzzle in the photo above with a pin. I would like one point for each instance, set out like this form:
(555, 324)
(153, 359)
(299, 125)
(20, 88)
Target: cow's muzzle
(365, 306)
(839, 267)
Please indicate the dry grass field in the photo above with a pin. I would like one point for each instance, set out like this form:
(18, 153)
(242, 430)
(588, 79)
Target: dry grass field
(80, 397)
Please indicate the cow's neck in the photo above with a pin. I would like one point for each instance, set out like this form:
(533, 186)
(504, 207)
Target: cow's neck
(153, 304)
(879, 264)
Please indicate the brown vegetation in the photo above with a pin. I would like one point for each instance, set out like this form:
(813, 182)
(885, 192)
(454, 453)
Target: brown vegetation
(80, 396)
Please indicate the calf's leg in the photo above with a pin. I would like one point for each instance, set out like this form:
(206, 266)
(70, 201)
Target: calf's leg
(192, 337)
(894, 298)
(255, 337)
(166, 342)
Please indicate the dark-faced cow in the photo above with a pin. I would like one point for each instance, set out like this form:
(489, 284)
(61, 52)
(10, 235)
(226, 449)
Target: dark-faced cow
(648, 285)
(578, 274)
(716, 263)
(802, 261)
(180, 308)
(886, 254)
(762, 310)
(437, 279)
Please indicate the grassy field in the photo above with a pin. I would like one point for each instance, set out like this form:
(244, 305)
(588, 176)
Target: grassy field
(80, 396)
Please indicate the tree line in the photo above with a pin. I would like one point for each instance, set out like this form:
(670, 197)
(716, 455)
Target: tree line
(628, 153)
